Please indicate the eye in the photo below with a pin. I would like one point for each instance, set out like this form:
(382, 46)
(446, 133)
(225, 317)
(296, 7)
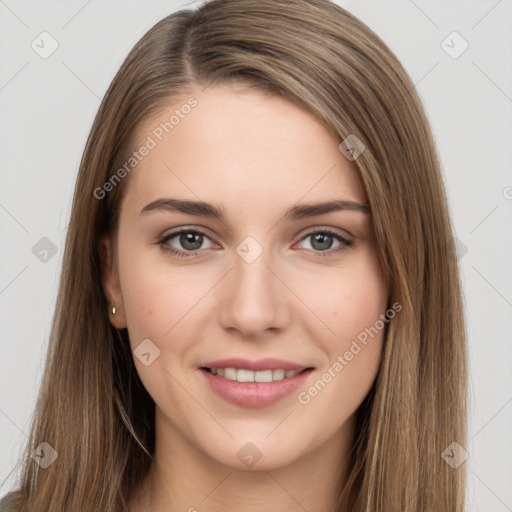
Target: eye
(322, 240)
(191, 240)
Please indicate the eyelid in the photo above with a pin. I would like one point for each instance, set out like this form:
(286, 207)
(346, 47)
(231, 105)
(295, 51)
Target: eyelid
(326, 229)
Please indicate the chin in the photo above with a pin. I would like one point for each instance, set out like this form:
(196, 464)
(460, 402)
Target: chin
(258, 454)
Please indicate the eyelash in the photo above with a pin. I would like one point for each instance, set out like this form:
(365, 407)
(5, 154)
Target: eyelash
(188, 254)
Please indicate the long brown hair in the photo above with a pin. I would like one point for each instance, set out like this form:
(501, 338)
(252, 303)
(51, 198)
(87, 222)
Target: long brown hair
(92, 407)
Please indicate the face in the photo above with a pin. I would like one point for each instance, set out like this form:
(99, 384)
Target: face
(253, 287)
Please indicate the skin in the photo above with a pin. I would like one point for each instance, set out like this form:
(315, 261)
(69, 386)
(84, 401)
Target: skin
(253, 155)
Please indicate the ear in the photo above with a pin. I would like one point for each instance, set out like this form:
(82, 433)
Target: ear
(110, 283)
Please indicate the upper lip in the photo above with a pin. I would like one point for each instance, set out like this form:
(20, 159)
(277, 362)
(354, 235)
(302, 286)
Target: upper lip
(268, 363)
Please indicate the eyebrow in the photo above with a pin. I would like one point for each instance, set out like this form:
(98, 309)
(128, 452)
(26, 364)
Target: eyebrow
(208, 210)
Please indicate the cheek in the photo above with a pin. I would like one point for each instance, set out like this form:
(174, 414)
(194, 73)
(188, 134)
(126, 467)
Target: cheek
(346, 300)
(355, 307)
(162, 304)
(359, 308)
(157, 296)
(352, 362)
(352, 305)
(169, 307)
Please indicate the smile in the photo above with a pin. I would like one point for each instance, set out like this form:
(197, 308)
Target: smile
(249, 383)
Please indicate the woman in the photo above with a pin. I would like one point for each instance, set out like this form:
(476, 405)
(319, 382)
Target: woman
(307, 350)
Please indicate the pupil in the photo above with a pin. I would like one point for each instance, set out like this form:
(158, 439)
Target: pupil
(187, 238)
(324, 240)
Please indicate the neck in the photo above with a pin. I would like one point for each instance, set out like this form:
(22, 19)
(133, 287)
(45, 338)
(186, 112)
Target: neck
(183, 478)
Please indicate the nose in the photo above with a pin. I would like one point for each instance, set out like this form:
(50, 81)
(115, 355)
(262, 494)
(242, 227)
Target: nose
(254, 299)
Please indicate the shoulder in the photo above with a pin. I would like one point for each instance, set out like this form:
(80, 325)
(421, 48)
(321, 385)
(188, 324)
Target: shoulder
(6, 503)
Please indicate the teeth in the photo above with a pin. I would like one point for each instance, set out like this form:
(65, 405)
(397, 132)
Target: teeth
(242, 375)
(230, 373)
(263, 376)
(278, 374)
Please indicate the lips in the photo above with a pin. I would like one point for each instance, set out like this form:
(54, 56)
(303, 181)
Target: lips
(246, 383)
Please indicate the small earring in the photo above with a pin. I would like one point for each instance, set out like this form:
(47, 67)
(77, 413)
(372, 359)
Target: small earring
(113, 310)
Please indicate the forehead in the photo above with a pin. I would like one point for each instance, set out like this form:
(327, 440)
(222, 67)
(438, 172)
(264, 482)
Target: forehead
(224, 144)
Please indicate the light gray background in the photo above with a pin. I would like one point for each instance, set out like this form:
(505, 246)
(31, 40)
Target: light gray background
(46, 110)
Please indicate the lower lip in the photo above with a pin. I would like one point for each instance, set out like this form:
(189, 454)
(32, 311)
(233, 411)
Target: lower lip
(254, 394)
